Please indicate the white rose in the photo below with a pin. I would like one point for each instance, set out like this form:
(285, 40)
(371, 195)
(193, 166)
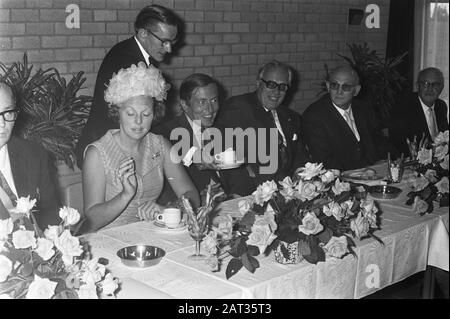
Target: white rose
(5, 267)
(307, 190)
(6, 227)
(431, 175)
(420, 183)
(336, 247)
(440, 152)
(442, 185)
(335, 210)
(441, 138)
(52, 232)
(327, 177)
(41, 288)
(360, 226)
(288, 190)
(267, 189)
(310, 171)
(45, 248)
(223, 226)
(23, 239)
(245, 205)
(5, 296)
(419, 206)
(69, 215)
(347, 206)
(210, 243)
(2, 246)
(310, 224)
(425, 156)
(444, 163)
(109, 285)
(87, 291)
(261, 236)
(24, 205)
(340, 187)
(69, 246)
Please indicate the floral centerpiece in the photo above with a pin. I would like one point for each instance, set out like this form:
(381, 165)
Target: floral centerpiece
(430, 181)
(50, 264)
(311, 216)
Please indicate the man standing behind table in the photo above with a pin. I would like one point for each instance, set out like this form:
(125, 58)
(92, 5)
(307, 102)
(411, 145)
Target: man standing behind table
(260, 111)
(156, 29)
(199, 99)
(340, 131)
(24, 167)
(422, 112)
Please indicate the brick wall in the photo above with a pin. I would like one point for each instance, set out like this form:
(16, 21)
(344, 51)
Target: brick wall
(228, 39)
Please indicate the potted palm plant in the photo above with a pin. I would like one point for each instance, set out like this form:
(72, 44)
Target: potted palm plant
(51, 113)
(380, 80)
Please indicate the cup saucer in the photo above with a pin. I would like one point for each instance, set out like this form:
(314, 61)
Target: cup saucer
(230, 165)
(163, 226)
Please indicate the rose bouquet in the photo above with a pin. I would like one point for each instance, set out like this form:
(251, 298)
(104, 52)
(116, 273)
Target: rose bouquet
(50, 264)
(314, 213)
(430, 181)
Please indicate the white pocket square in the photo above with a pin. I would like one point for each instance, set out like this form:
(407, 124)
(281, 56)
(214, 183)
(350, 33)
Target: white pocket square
(187, 159)
(294, 138)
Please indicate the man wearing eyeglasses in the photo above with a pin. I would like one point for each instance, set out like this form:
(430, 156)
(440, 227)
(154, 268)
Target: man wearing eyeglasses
(340, 130)
(156, 30)
(421, 113)
(23, 167)
(262, 111)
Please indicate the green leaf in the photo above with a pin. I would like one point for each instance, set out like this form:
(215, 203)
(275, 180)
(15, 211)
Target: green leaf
(66, 294)
(325, 236)
(303, 248)
(252, 250)
(26, 269)
(233, 267)
(247, 264)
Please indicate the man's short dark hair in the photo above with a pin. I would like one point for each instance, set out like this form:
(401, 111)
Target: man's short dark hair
(151, 15)
(192, 82)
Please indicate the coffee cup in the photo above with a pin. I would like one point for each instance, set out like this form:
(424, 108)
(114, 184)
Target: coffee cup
(227, 157)
(171, 217)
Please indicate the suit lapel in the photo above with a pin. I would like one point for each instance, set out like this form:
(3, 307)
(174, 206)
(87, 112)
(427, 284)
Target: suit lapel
(18, 167)
(341, 123)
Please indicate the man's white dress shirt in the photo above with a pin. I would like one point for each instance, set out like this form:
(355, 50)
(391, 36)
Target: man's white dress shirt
(348, 117)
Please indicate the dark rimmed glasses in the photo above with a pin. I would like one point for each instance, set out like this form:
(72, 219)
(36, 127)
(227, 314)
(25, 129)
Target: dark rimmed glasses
(164, 42)
(345, 87)
(271, 85)
(433, 85)
(9, 115)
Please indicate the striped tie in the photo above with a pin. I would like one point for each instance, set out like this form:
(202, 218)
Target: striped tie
(4, 184)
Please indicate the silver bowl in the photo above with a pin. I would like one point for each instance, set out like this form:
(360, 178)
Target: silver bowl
(141, 256)
(384, 191)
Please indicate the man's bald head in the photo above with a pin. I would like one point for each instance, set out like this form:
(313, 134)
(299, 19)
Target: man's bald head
(8, 113)
(347, 70)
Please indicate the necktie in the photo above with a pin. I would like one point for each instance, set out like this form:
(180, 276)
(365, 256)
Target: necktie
(432, 123)
(282, 149)
(4, 184)
(351, 124)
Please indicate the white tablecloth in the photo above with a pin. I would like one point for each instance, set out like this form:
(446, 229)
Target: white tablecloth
(411, 243)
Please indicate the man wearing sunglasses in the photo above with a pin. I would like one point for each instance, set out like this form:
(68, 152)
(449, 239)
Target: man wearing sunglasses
(421, 113)
(262, 111)
(340, 130)
(156, 30)
(23, 167)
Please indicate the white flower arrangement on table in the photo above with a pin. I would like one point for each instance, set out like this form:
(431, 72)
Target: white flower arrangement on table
(49, 264)
(430, 181)
(314, 209)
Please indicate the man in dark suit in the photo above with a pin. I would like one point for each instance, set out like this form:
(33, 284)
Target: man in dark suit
(199, 99)
(422, 112)
(156, 31)
(23, 167)
(277, 149)
(341, 131)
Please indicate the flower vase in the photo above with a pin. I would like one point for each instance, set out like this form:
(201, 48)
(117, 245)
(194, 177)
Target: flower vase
(291, 253)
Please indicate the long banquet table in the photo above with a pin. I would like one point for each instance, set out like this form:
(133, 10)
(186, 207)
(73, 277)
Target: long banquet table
(411, 242)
